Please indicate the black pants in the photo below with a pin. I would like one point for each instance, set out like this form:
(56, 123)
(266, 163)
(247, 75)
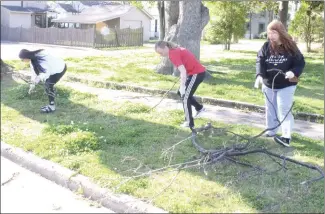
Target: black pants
(192, 82)
(50, 82)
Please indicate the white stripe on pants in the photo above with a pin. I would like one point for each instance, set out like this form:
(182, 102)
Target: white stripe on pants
(282, 100)
(187, 93)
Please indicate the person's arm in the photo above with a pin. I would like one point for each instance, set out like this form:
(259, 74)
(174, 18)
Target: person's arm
(33, 75)
(182, 71)
(175, 58)
(298, 64)
(260, 61)
(47, 72)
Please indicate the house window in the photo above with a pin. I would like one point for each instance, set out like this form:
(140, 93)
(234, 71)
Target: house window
(261, 27)
(38, 20)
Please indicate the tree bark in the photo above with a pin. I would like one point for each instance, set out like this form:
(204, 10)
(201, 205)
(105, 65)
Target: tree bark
(171, 13)
(161, 11)
(250, 25)
(283, 11)
(193, 17)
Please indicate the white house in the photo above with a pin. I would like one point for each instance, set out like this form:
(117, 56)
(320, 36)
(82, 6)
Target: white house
(24, 14)
(260, 21)
(155, 24)
(111, 15)
(258, 24)
(33, 13)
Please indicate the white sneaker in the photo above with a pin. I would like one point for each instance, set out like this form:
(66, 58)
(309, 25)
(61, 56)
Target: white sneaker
(185, 124)
(198, 113)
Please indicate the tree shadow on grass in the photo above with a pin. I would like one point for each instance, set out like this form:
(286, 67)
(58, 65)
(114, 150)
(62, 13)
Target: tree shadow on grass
(95, 142)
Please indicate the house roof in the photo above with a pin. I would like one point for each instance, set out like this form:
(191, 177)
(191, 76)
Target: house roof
(24, 9)
(147, 14)
(68, 8)
(97, 3)
(94, 15)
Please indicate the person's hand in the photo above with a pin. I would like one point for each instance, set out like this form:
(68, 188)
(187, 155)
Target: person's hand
(36, 80)
(289, 75)
(31, 88)
(258, 81)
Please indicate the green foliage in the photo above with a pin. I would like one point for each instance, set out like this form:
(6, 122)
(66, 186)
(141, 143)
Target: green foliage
(227, 21)
(308, 24)
(263, 35)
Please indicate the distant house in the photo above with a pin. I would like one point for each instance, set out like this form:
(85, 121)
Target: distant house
(57, 10)
(155, 24)
(23, 14)
(109, 14)
(260, 20)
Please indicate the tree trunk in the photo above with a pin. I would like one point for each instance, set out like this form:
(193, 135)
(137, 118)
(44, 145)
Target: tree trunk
(250, 25)
(172, 13)
(161, 11)
(308, 34)
(270, 16)
(193, 17)
(283, 10)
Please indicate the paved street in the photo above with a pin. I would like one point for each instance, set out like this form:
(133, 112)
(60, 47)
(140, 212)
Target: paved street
(23, 191)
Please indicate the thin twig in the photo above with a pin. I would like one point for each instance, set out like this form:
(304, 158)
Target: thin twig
(164, 189)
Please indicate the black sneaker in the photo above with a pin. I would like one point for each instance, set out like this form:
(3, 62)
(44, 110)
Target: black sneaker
(282, 140)
(268, 135)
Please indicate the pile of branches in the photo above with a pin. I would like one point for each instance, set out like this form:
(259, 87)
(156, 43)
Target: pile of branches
(5, 68)
(9, 70)
(210, 157)
(232, 152)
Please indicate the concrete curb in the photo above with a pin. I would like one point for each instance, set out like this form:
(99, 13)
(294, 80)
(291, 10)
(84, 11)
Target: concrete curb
(316, 118)
(67, 178)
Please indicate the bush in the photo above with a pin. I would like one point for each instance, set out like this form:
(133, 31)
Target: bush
(263, 35)
(81, 141)
(211, 35)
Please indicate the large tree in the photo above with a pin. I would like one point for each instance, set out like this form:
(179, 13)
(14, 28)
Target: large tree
(283, 12)
(308, 23)
(228, 22)
(271, 7)
(252, 7)
(192, 18)
(161, 11)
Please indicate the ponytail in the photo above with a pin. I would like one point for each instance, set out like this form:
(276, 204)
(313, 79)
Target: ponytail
(163, 44)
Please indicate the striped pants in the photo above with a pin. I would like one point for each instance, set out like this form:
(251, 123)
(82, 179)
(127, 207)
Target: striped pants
(192, 82)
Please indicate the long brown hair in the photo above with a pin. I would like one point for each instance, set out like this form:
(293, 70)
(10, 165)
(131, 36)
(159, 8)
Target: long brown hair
(163, 44)
(288, 45)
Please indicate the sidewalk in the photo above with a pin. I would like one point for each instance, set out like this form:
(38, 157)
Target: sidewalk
(11, 50)
(23, 191)
(216, 113)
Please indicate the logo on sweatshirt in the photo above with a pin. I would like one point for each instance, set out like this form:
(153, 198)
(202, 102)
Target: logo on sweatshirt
(276, 59)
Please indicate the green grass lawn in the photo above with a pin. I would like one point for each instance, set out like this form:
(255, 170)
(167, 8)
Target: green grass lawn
(104, 139)
(233, 75)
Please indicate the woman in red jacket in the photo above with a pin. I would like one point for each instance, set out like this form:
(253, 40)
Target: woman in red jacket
(192, 74)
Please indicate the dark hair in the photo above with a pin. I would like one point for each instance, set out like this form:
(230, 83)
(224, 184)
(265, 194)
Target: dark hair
(35, 58)
(288, 45)
(26, 54)
(163, 44)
